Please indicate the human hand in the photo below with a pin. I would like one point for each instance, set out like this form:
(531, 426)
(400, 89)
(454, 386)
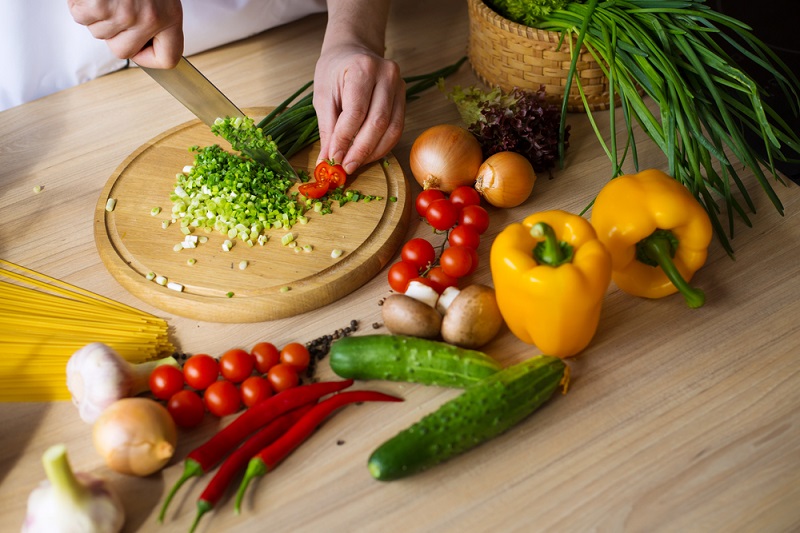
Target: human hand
(148, 32)
(360, 102)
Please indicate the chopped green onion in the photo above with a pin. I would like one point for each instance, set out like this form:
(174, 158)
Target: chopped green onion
(155, 211)
(336, 253)
(111, 203)
(150, 276)
(242, 264)
(287, 239)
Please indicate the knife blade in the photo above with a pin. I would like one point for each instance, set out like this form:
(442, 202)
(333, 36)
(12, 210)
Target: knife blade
(191, 88)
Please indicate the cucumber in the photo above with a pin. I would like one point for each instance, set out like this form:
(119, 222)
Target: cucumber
(411, 359)
(480, 413)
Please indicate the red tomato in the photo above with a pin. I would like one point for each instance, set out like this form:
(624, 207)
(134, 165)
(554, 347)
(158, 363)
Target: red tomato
(456, 261)
(200, 371)
(425, 198)
(222, 398)
(464, 236)
(465, 195)
(442, 214)
(266, 356)
(437, 275)
(475, 260)
(282, 377)
(331, 172)
(236, 365)
(313, 189)
(255, 390)
(419, 252)
(400, 274)
(296, 355)
(165, 380)
(186, 408)
(474, 216)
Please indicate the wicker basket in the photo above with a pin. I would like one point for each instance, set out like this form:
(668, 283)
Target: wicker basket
(507, 55)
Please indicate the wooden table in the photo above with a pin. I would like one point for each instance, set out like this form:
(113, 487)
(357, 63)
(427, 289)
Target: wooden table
(676, 420)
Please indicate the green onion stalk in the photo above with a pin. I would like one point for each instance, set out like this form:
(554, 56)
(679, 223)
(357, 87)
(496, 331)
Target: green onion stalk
(676, 52)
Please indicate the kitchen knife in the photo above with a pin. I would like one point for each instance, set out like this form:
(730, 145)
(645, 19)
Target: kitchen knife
(201, 97)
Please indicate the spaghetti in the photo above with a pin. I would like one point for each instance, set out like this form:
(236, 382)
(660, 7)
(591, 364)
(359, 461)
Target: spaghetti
(43, 321)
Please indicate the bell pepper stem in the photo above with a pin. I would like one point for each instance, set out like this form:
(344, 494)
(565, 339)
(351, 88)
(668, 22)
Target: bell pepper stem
(191, 468)
(658, 248)
(550, 251)
(255, 468)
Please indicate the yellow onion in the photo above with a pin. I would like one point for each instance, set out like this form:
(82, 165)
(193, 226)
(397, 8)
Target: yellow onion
(445, 157)
(505, 179)
(135, 436)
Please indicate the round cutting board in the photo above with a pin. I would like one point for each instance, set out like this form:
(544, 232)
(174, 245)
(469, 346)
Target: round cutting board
(278, 281)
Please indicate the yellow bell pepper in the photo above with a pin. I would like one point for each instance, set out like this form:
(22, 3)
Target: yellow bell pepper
(550, 275)
(657, 233)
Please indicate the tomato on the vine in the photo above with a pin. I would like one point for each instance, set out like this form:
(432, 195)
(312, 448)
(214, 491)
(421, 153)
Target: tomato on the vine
(165, 380)
(442, 214)
(419, 252)
(465, 195)
(296, 355)
(464, 236)
(255, 390)
(430, 283)
(236, 365)
(266, 356)
(425, 198)
(438, 276)
(475, 217)
(222, 398)
(456, 261)
(475, 259)
(200, 371)
(400, 274)
(282, 377)
(186, 408)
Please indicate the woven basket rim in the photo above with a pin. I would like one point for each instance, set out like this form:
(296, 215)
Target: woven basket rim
(499, 21)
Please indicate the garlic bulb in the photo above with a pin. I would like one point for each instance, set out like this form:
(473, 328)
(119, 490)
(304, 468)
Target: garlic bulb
(71, 503)
(97, 376)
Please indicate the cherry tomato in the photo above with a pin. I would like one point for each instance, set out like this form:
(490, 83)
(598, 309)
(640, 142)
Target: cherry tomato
(474, 216)
(331, 172)
(465, 195)
(400, 274)
(282, 377)
(419, 252)
(456, 261)
(266, 355)
(437, 275)
(430, 283)
(236, 365)
(200, 371)
(425, 198)
(255, 390)
(186, 408)
(296, 355)
(165, 380)
(475, 260)
(464, 236)
(222, 398)
(314, 189)
(442, 214)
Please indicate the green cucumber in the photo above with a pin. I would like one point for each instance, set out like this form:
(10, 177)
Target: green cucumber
(411, 359)
(480, 413)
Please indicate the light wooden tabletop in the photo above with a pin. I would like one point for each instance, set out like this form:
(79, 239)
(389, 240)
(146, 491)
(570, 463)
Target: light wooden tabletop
(676, 420)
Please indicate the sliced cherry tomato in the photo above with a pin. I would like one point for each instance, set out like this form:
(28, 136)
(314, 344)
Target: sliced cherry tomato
(400, 274)
(200, 371)
(425, 198)
(255, 390)
(222, 398)
(165, 380)
(438, 276)
(186, 408)
(331, 172)
(456, 261)
(419, 252)
(314, 189)
(474, 216)
(266, 356)
(236, 365)
(442, 214)
(465, 195)
(296, 355)
(282, 377)
(464, 236)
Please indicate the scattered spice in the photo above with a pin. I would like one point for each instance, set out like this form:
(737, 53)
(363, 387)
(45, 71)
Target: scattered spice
(318, 348)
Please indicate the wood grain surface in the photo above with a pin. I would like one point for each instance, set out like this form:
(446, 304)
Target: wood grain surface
(279, 281)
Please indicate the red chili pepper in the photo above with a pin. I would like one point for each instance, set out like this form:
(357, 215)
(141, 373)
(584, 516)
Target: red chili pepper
(269, 457)
(237, 460)
(314, 189)
(208, 455)
(331, 172)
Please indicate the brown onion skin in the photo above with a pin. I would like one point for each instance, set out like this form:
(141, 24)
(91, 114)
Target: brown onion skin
(505, 179)
(445, 157)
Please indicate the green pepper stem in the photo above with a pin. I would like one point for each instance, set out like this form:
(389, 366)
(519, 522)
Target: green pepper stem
(550, 251)
(255, 468)
(191, 468)
(658, 248)
(203, 507)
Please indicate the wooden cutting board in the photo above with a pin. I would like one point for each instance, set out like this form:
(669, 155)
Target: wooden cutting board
(278, 281)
